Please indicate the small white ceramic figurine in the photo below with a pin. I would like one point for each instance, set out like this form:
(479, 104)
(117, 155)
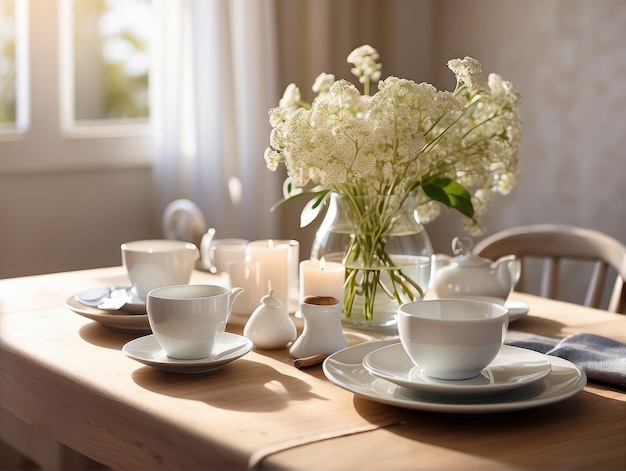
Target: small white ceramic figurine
(270, 326)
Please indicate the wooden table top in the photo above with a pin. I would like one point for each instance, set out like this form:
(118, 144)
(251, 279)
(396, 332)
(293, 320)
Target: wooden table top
(65, 375)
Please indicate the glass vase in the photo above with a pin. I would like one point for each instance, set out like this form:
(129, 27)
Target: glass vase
(385, 250)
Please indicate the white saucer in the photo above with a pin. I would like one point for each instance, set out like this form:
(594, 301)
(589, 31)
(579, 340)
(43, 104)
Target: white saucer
(115, 320)
(513, 368)
(345, 369)
(148, 351)
(516, 309)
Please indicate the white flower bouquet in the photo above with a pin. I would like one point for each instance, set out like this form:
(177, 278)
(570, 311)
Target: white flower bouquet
(454, 148)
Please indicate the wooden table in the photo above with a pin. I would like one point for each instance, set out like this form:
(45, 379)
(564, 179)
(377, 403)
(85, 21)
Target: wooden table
(66, 376)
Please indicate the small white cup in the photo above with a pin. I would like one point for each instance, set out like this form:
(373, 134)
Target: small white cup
(223, 252)
(452, 339)
(188, 320)
(158, 262)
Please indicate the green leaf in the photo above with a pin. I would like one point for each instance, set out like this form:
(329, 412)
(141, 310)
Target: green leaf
(312, 209)
(289, 189)
(300, 193)
(450, 193)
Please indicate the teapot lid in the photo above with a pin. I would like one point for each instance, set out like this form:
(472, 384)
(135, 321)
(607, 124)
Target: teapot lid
(462, 248)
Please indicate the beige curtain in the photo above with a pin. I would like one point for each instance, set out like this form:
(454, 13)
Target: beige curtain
(222, 64)
(214, 80)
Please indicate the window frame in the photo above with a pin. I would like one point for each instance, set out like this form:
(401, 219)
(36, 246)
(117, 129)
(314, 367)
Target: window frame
(48, 139)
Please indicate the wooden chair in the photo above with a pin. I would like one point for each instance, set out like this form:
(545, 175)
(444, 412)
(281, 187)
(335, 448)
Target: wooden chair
(555, 245)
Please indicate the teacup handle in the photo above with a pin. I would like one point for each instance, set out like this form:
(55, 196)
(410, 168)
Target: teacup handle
(205, 249)
(234, 292)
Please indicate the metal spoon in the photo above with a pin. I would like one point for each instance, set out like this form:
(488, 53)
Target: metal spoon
(107, 298)
(93, 297)
(115, 300)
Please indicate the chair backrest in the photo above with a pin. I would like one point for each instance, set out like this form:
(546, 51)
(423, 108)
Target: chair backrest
(555, 244)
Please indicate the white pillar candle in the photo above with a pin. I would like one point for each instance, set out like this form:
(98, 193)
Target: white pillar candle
(246, 275)
(293, 259)
(272, 258)
(321, 278)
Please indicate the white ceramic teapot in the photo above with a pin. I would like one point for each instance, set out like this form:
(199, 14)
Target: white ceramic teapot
(469, 274)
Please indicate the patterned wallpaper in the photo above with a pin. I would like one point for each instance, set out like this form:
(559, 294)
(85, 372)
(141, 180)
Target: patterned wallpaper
(568, 58)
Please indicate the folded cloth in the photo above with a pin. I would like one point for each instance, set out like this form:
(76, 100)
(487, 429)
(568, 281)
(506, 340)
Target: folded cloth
(601, 358)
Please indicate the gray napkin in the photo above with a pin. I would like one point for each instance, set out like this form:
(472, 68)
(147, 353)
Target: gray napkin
(601, 358)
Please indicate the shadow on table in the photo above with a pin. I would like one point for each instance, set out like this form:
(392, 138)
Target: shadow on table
(96, 334)
(242, 385)
(532, 434)
(538, 325)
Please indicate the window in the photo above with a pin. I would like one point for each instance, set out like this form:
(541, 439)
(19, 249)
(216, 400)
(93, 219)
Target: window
(110, 59)
(7, 63)
(13, 74)
(74, 84)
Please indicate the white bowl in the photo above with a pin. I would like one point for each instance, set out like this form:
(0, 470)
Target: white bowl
(452, 338)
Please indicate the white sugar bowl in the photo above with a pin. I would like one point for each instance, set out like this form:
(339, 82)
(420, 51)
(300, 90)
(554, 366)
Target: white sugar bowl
(269, 326)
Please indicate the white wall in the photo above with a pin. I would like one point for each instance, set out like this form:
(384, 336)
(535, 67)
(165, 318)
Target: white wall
(567, 58)
(71, 220)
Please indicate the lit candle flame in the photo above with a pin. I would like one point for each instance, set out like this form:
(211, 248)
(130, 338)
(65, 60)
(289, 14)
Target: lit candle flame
(322, 263)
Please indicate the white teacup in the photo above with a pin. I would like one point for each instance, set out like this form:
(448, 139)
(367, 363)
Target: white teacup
(188, 320)
(452, 339)
(158, 262)
(223, 252)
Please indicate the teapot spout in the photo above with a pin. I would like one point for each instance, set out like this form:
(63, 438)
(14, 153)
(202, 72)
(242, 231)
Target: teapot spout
(438, 261)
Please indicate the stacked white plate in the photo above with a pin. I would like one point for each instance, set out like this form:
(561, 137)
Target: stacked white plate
(517, 379)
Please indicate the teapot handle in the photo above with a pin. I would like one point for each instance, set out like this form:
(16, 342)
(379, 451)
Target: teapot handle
(462, 245)
(514, 265)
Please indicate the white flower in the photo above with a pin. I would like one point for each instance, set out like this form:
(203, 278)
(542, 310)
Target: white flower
(323, 83)
(272, 158)
(365, 66)
(291, 97)
(468, 71)
(402, 138)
